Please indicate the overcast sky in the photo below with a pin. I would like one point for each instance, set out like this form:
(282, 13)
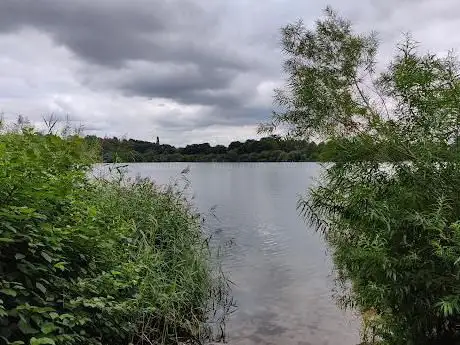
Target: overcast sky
(184, 70)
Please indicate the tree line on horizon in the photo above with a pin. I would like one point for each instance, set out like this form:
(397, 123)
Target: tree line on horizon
(268, 149)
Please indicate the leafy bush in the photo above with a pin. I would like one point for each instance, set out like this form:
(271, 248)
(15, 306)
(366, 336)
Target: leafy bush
(389, 207)
(85, 261)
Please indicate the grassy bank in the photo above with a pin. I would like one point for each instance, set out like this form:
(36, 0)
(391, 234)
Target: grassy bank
(88, 261)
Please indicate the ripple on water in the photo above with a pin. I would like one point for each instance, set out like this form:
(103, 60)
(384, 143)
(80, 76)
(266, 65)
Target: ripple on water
(279, 267)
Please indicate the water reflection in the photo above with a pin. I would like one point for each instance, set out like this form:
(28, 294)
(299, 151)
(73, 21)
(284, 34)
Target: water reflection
(280, 269)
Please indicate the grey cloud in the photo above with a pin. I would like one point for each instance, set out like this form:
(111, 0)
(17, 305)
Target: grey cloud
(190, 85)
(228, 102)
(112, 32)
(244, 116)
(212, 53)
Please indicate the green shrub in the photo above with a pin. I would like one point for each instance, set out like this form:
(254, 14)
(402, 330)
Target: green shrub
(389, 205)
(87, 261)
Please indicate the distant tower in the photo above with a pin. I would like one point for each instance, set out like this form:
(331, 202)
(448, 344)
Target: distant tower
(158, 141)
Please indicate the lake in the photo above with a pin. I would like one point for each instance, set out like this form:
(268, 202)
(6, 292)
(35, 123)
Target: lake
(282, 273)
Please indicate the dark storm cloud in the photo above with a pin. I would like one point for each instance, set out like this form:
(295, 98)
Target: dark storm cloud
(189, 85)
(110, 34)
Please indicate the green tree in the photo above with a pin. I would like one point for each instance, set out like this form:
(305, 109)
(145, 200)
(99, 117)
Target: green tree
(389, 207)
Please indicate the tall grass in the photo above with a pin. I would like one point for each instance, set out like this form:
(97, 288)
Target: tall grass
(181, 287)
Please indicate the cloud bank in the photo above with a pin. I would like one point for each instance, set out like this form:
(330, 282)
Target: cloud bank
(185, 70)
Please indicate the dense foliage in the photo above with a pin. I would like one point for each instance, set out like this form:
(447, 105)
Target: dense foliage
(88, 261)
(270, 149)
(390, 207)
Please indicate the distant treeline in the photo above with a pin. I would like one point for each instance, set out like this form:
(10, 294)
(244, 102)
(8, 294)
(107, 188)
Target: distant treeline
(268, 149)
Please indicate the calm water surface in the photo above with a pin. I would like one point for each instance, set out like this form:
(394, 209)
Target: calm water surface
(280, 268)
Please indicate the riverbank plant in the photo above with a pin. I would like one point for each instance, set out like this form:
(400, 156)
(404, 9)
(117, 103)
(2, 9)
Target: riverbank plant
(97, 261)
(389, 205)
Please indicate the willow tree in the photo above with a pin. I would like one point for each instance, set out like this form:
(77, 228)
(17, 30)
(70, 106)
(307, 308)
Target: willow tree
(389, 205)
